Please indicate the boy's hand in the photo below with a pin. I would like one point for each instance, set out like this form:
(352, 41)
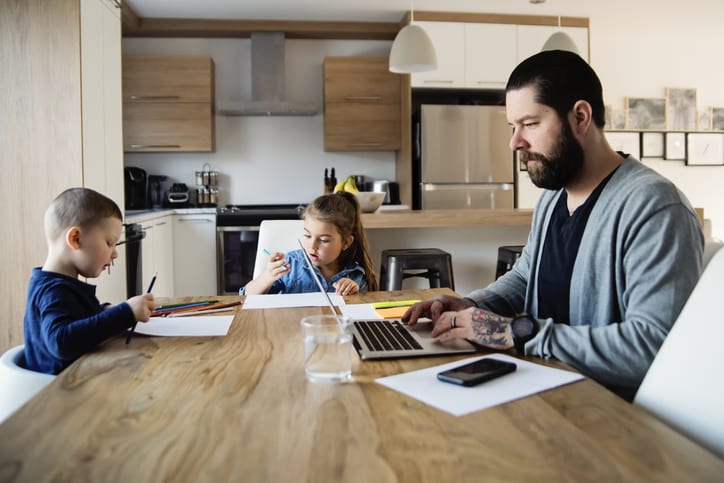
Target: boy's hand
(142, 306)
(346, 286)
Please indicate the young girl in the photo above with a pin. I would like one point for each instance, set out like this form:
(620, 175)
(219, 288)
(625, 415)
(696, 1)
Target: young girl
(335, 242)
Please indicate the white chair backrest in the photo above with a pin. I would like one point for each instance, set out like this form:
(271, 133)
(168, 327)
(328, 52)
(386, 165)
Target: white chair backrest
(276, 236)
(17, 384)
(683, 387)
(710, 248)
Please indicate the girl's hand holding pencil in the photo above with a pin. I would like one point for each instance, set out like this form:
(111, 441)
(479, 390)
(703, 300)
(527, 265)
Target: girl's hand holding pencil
(277, 266)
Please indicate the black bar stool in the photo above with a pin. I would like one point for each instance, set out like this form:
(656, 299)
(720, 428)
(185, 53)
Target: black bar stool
(507, 255)
(431, 263)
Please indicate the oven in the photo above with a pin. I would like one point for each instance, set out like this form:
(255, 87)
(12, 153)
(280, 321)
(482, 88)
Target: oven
(237, 235)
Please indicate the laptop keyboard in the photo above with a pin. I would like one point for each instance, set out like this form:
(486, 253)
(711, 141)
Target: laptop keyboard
(386, 335)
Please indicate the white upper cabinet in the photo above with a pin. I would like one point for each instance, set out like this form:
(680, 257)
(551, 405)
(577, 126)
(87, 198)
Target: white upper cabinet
(490, 54)
(532, 37)
(482, 55)
(449, 41)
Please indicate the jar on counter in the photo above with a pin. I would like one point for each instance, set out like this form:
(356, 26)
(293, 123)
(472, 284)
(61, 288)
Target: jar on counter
(202, 195)
(213, 196)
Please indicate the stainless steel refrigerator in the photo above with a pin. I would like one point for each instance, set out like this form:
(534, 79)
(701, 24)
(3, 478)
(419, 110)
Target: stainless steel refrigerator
(464, 158)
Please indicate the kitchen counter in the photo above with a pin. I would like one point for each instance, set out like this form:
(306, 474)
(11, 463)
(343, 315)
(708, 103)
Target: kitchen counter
(446, 218)
(139, 216)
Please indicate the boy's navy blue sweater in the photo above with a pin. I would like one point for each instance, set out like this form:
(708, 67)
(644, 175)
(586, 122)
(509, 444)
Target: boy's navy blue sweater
(64, 320)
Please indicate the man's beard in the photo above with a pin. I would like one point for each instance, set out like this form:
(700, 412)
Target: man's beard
(556, 171)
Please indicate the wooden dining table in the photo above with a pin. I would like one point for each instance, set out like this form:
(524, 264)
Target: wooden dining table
(238, 408)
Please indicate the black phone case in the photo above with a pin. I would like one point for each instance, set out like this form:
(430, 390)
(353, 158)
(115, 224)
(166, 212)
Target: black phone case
(452, 377)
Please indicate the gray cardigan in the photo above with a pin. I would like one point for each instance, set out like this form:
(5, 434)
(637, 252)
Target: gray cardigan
(639, 259)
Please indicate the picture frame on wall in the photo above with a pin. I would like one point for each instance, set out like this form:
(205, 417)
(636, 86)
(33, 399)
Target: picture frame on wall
(704, 149)
(652, 145)
(646, 113)
(675, 146)
(609, 117)
(704, 123)
(681, 112)
(717, 118)
(626, 142)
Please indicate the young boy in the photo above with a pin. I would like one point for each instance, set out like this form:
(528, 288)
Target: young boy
(63, 318)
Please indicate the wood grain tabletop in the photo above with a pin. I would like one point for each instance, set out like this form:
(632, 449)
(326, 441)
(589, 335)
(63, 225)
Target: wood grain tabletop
(238, 408)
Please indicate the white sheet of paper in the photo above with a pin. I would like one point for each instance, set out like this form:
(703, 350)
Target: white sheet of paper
(191, 326)
(528, 379)
(360, 312)
(278, 301)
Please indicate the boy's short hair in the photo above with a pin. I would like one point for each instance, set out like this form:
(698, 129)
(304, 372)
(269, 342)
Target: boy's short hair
(560, 79)
(81, 207)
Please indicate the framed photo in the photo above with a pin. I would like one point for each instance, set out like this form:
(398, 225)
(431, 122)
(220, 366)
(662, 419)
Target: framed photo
(704, 123)
(619, 119)
(609, 117)
(675, 146)
(681, 113)
(626, 142)
(717, 118)
(652, 145)
(705, 149)
(646, 113)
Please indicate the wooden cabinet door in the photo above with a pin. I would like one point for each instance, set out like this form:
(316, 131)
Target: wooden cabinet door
(180, 126)
(490, 54)
(178, 78)
(448, 38)
(361, 105)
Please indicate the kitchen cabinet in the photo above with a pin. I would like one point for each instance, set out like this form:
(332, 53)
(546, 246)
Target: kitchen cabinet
(157, 255)
(194, 240)
(482, 55)
(168, 103)
(532, 37)
(361, 105)
(100, 45)
(470, 55)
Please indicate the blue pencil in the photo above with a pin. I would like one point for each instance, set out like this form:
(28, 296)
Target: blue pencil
(266, 252)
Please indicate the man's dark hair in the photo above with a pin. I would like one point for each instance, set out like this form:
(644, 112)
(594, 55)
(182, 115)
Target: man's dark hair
(560, 79)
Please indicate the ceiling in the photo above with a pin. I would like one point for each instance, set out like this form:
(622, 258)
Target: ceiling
(323, 10)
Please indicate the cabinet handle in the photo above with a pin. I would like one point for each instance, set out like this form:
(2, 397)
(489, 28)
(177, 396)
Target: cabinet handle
(365, 144)
(141, 146)
(160, 224)
(196, 220)
(116, 3)
(438, 81)
(153, 98)
(363, 98)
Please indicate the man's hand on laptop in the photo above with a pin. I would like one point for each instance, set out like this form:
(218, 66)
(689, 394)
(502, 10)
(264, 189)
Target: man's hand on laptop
(479, 325)
(434, 308)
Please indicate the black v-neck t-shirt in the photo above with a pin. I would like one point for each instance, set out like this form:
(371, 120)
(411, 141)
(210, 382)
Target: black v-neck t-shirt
(559, 254)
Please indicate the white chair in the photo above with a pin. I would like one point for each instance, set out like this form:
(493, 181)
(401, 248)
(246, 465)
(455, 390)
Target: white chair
(710, 248)
(18, 384)
(276, 236)
(683, 386)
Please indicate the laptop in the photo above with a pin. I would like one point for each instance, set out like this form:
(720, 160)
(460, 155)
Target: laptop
(390, 338)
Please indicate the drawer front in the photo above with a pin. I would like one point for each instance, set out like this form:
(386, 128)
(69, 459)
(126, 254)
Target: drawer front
(159, 127)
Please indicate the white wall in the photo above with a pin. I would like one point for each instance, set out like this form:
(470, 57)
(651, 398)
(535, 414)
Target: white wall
(265, 159)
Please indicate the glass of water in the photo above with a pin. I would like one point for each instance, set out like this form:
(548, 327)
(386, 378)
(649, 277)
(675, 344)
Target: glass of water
(327, 348)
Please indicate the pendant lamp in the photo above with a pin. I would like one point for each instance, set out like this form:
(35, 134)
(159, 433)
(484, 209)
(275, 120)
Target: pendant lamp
(412, 50)
(560, 41)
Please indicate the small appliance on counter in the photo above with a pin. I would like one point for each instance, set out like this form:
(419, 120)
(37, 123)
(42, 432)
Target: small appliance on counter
(157, 195)
(178, 195)
(135, 186)
(391, 190)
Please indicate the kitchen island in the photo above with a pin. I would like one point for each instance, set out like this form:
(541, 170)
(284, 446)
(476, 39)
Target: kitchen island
(472, 238)
(447, 218)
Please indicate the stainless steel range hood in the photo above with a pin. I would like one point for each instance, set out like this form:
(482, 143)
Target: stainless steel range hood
(267, 82)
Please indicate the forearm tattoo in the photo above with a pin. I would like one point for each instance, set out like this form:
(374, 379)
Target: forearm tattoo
(490, 329)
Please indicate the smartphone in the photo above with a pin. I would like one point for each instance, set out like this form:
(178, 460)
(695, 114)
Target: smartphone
(476, 372)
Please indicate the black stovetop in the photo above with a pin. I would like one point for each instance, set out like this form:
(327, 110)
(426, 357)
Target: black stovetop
(251, 215)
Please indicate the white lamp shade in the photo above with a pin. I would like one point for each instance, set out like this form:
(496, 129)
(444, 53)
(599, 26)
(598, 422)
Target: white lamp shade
(560, 41)
(412, 51)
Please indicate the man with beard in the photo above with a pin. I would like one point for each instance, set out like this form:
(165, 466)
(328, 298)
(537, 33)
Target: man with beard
(614, 249)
